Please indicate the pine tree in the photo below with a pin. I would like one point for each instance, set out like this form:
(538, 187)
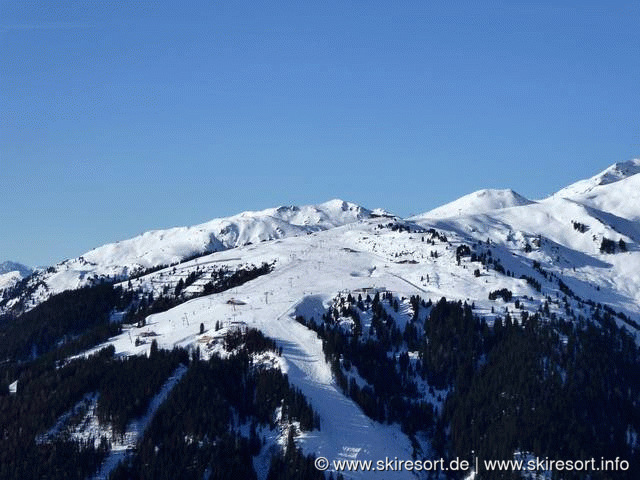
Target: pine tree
(154, 349)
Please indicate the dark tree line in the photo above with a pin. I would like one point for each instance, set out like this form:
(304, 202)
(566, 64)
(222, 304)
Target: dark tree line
(571, 398)
(503, 293)
(64, 317)
(128, 385)
(47, 390)
(609, 246)
(293, 464)
(197, 431)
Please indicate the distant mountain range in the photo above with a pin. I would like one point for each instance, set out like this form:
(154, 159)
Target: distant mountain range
(7, 267)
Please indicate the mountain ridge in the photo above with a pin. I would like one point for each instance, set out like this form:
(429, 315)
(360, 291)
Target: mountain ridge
(605, 207)
(612, 174)
(151, 249)
(338, 280)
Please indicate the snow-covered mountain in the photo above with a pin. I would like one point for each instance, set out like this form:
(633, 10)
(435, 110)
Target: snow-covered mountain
(169, 246)
(11, 273)
(547, 254)
(568, 229)
(615, 173)
(165, 247)
(559, 257)
(8, 267)
(620, 197)
(482, 201)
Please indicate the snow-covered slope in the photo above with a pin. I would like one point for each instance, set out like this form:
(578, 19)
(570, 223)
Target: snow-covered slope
(547, 254)
(620, 198)
(9, 279)
(163, 247)
(615, 173)
(547, 233)
(565, 232)
(309, 271)
(481, 201)
(167, 246)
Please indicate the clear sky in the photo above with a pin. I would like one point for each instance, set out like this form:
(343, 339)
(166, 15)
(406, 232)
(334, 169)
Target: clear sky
(121, 117)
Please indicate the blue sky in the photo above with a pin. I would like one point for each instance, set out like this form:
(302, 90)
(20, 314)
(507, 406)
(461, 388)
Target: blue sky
(118, 118)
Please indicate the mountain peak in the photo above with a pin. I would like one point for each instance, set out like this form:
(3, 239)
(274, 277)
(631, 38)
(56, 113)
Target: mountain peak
(614, 173)
(480, 201)
(337, 204)
(618, 171)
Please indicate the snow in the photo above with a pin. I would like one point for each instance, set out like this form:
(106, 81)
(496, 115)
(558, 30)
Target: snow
(319, 251)
(166, 246)
(381, 212)
(612, 279)
(614, 173)
(160, 247)
(305, 278)
(311, 270)
(11, 273)
(9, 279)
(621, 199)
(481, 201)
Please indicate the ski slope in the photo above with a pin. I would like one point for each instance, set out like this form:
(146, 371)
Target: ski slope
(304, 278)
